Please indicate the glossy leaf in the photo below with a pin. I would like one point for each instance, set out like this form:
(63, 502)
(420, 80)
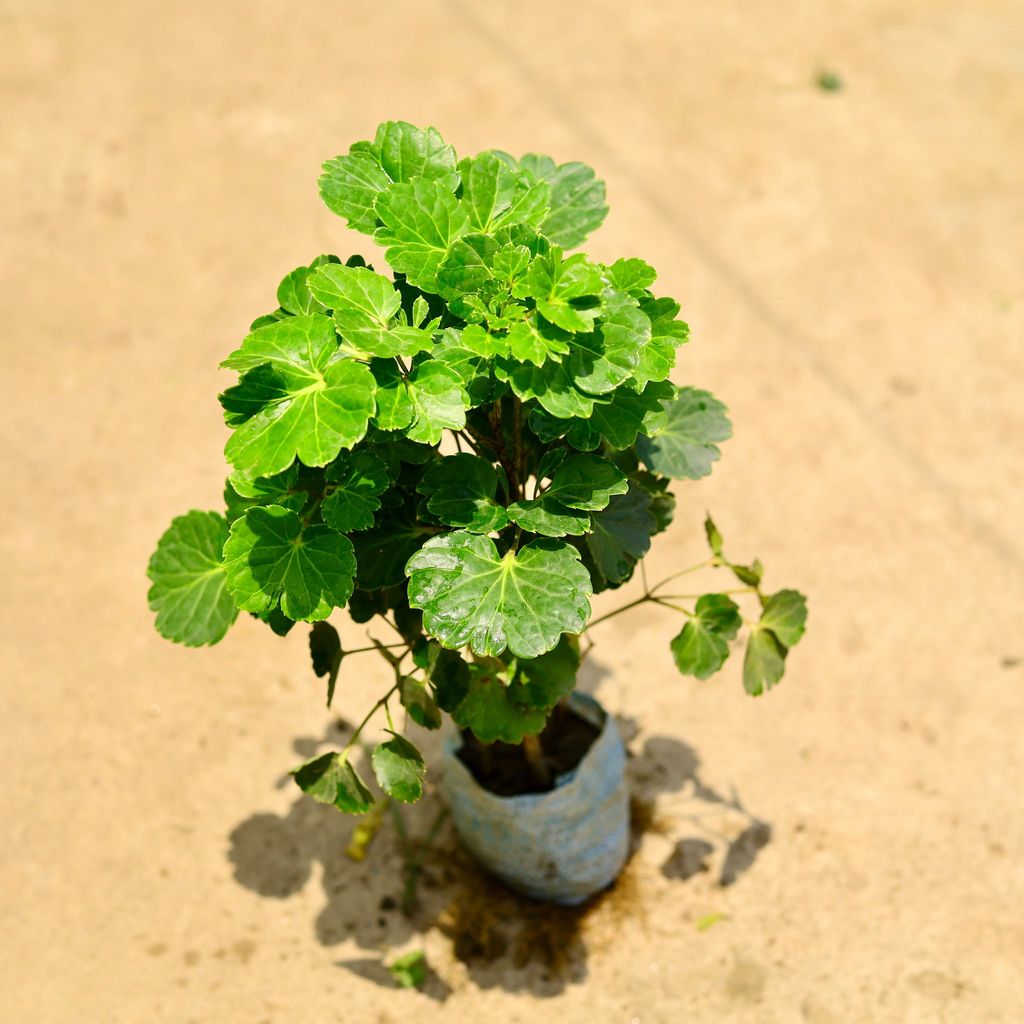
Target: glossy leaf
(271, 556)
(577, 199)
(460, 491)
(521, 601)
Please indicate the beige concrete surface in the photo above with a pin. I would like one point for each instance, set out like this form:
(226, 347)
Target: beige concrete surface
(851, 266)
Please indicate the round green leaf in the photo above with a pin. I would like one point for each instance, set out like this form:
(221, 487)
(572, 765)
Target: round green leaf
(684, 447)
(270, 556)
(330, 779)
(359, 479)
(785, 614)
(522, 601)
(189, 592)
(764, 662)
(399, 769)
(460, 490)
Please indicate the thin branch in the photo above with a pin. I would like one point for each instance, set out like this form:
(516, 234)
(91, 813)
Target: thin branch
(682, 572)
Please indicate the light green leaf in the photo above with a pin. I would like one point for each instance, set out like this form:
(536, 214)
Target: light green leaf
(631, 275)
(685, 446)
(293, 295)
(189, 592)
(326, 654)
(533, 341)
(330, 779)
(410, 970)
(577, 204)
(460, 491)
(399, 769)
(270, 556)
(551, 384)
(621, 534)
(438, 400)
(785, 614)
(297, 397)
(496, 194)
(406, 152)
(241, 493)
(394, 409)
(522, 601)
(467, 265)
(350, 184)
(364, 305)
(764, 662)
(566, 290)
(603, 360)
(359, 478)
(714, 536)
(421, 220)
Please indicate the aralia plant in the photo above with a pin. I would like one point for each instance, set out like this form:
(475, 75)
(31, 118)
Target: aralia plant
(468, 449)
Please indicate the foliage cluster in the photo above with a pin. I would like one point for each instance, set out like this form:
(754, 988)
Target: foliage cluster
(468, 449)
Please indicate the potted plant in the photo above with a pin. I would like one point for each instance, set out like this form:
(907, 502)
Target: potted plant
(468, 450)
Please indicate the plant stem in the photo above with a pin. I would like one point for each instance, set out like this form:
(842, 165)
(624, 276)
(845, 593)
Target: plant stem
(534, 754)
(620, 610)
(353, 739)
(682, 572)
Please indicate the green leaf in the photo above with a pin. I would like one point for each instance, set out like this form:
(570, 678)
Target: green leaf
(421, 707)
(241, 493)
(460, 490)
(364, 305)
(381, 553)
(577, 199)
(270, 556)
(603, 360)
(533, 341)
(293, 295)
(298, 397)
(410, 970)
(548, 517)
(631, 275)
(551, 385)
(326, 654)
(685, 446)
(406, 152)
(399, 769)
(621, 534)
(349, 185)
(764, 662)
(467, 266)
(491, 711)
(448, 675)
(438, 399)
(748, 574)
(359, 478)
(496, 194)
(421, 219)
(714, 536)
(586, 482)
(566, 290)
(330, 779)
(540, 683)
(702, 646)
(785, 614)
(189, 592)
(522, 601)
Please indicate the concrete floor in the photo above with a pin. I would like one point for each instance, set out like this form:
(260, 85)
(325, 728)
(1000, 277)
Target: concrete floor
(851, 265)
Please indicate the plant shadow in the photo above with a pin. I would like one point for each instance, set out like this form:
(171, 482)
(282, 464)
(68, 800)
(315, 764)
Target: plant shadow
(503, 939)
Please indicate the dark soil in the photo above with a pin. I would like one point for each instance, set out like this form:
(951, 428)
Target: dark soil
(502, 768)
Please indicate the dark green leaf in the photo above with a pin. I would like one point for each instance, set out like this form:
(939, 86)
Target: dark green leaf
(326, 654)
(714, 537)
(785, 614)
(764, 662)
(420, 705)
(460, 491)
(330, 779)
(399, 769)
(359, 479)
(621, 534)
(491, 711)
(684, 447)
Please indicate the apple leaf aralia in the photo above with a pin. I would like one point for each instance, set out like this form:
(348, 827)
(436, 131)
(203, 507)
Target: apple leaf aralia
(467, 449)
